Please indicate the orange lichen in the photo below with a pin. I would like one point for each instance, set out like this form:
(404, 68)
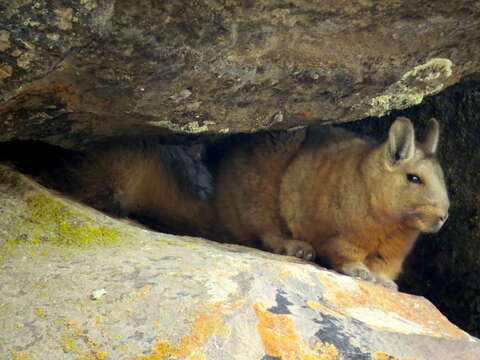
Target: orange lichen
(416, 310)
(144, 291)
(196, 357)
(14, 355)
(279, 338)
(93, 355)
(324, 310)
(305, 113)
(161, 350)
(204, 326)
(277, 333)
(207, 321)
(382, 356)
(98, 319)
(324, 351)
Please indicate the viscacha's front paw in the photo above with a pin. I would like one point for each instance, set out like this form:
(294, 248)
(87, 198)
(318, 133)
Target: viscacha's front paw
(359, 271)
(389, 284)
(300, 249)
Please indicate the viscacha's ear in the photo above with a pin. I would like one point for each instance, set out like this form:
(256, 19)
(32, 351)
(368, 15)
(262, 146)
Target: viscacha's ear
(431, 136)
(400, 145)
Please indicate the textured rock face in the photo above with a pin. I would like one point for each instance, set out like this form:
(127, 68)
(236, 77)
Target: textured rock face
(77, 72)
(80, 71)
(76, 284)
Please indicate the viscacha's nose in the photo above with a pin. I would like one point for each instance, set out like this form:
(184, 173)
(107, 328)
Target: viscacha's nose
(443, 218)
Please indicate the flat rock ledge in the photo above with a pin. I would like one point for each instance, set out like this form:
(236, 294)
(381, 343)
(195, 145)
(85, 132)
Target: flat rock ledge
(76, 284)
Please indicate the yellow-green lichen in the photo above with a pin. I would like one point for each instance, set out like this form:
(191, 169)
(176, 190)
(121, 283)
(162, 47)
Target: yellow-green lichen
(94, 355)
(7, 252)
(46, 219)
(193, 127)
(381, 105)
(15, 355)
(6, 71)
(75, 340)
(4, 40)
(69, 344)
(39, 312)
(414, 85)
(166, 242)
(64, 18)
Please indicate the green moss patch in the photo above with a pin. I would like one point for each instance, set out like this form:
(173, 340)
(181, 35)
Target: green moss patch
(42, 220)
(49, 220)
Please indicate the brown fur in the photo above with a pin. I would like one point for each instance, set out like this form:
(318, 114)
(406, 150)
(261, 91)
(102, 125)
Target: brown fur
(326, 191)
(343, 197)
(136, 181)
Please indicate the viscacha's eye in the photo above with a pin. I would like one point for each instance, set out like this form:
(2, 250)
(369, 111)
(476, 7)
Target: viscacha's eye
(414, 179)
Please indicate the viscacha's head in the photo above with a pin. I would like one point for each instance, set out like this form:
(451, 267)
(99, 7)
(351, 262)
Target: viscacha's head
(407, 183)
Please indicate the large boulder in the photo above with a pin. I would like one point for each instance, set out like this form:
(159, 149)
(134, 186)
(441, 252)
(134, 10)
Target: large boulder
(76, 72)
(76, 284)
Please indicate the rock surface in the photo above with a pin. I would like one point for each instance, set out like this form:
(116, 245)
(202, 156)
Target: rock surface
(75, 284)
(76, 72)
